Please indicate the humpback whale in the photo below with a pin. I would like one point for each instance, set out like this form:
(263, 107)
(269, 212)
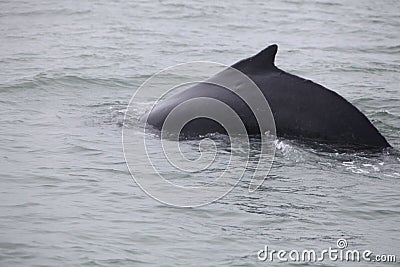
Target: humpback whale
(302, 109)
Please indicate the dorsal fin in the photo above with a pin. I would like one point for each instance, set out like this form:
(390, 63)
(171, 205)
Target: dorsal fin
(262, 61)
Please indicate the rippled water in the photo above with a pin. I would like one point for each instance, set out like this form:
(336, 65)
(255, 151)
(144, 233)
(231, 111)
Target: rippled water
(69, 69)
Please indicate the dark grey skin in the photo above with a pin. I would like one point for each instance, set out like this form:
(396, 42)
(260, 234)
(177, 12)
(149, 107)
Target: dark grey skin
(301, 108)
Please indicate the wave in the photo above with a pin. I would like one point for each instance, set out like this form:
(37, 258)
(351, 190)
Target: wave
(43, 79)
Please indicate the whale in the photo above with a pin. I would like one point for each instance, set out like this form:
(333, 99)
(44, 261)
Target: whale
(302, 109)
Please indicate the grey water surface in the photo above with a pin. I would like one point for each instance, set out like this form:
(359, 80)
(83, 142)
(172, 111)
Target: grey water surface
(68, 71)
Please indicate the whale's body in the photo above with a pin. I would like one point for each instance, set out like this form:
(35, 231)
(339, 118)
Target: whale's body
(301, 108)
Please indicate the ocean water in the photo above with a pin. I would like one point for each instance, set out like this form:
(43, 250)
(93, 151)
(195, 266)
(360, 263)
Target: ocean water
(68, 71)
